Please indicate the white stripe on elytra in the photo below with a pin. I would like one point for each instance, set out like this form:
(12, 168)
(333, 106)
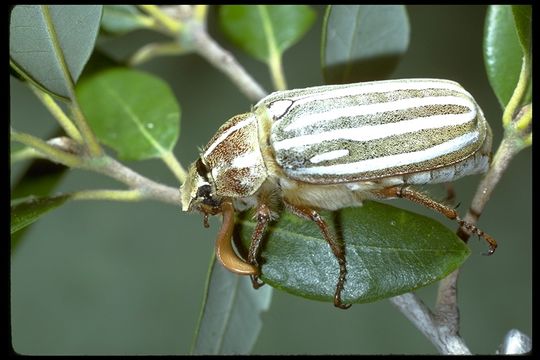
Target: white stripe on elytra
(369, 109)
(330, 155)
(337, 91)
(246, 160)
(390, 161)
(230, 130)
(373, 132)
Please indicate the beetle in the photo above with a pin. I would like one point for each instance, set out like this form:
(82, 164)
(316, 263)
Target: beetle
(330, 147)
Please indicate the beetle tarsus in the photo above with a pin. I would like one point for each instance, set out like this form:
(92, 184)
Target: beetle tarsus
(256, 282)
(339, 288)
(405, 192)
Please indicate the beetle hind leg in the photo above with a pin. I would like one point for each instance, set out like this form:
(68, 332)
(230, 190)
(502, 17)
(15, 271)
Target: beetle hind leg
(406, 192)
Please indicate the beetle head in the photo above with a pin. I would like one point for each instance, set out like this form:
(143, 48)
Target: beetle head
(199, 192)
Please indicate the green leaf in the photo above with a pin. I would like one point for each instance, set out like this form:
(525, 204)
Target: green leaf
(50, 44)
(263, 29)
(39, 179)
(120, 19)
(230, 318)
(363, 42)
(522, 19)
(133, 112)
(26, 211)
(389, 251)
(502, 51)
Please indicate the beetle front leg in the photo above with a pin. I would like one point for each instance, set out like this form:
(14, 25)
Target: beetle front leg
(310, 214)
(263, 216)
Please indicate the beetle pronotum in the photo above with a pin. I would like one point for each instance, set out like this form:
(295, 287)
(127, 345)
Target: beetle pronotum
(329, 147)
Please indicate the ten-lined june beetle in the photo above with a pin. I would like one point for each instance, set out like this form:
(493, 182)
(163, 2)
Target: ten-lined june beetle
(329, 147)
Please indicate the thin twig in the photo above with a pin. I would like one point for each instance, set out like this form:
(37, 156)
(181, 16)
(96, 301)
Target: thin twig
(189, 23)
(446, 305)
(206, 47)
(149, 189)
(447, 312)
(419, 314)
(504, 155)
(66, 151)
(446, 309)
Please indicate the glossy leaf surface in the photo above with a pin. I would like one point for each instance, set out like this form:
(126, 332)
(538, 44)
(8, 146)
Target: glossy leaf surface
(133, 112)
(260, 29)
(503, 52)
(363, 42)
(389, 251)
(50, 44)
(230, 318)
(26, 211)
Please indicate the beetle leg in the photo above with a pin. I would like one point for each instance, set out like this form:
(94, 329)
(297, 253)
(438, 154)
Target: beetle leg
(263, 218)
(339, 253)
(406, 192)
(450, 193)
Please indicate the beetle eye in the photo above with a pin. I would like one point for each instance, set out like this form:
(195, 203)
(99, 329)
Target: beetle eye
(205, 192)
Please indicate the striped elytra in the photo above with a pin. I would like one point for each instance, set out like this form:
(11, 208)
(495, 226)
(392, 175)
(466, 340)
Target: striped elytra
(329, 147)
(345, 133)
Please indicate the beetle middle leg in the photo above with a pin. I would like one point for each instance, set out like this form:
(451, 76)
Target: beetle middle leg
(310, 214)
(263, 216)
(406, 192)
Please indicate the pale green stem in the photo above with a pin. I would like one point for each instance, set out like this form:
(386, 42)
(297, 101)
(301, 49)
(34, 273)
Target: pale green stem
(64, 121)
(49, 151)
(274, 61)
(276, 69)
(91, 142)
(519, 92)
(114, 195)
(200, 12)
(153, 50)
(524, 121)
(170, 160)
(86, 133)
(522, 129)
(172, 25)
(25, 154)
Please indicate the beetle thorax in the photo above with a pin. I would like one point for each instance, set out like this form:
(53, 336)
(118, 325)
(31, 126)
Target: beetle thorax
(231, 164)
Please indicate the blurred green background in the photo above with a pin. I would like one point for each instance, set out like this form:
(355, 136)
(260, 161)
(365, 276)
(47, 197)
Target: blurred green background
(119, 278)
